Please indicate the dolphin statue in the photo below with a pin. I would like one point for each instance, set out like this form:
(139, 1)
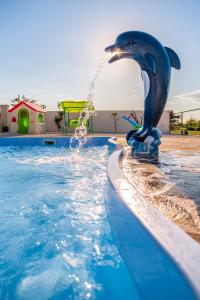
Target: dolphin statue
(155, 62)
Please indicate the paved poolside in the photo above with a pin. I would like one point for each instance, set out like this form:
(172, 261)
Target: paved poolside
(180, 142)
(161, 186)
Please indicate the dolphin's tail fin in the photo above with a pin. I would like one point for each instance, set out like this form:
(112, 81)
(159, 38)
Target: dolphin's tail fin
(173, 58)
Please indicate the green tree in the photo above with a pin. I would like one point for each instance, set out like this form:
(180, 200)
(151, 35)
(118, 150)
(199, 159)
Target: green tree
(192, 124)
(198, 125)
(174, 120)
(19, 98)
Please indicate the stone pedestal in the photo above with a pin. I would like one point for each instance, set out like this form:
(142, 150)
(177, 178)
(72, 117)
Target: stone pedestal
(149, 148)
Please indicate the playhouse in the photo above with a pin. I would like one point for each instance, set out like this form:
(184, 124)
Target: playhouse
(26, 118)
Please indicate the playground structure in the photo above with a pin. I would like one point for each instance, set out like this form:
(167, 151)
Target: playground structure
(74, 107)
(26, 118)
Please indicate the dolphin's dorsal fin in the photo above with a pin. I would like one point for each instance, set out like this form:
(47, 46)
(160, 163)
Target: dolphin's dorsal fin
(151, 63)
(173, 58)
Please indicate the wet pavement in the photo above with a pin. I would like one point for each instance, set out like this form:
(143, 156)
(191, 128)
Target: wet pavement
(172, 182)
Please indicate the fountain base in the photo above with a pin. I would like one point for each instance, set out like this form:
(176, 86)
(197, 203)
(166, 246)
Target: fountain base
(149, 148)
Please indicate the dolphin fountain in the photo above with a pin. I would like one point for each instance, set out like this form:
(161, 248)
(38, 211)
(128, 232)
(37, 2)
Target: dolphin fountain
(155, 62)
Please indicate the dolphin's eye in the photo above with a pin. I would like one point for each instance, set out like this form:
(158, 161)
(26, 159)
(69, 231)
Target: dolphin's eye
(131, 42)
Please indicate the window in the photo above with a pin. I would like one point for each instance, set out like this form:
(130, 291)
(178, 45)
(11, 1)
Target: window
(41, 118)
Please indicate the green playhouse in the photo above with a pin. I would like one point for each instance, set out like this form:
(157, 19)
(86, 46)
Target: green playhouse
(70, 107)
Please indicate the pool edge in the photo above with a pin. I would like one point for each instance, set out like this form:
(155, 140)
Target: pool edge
(183, 250)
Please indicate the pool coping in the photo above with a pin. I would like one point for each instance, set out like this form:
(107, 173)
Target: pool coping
(183, 250)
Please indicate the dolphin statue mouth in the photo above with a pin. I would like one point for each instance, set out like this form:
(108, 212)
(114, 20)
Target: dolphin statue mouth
(155, 62)
(118, 52)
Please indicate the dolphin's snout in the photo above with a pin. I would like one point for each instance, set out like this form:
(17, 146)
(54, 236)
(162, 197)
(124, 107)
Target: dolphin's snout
(116, 52)
(111, 48)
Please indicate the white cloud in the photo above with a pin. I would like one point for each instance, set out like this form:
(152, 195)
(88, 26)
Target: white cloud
(192, 97)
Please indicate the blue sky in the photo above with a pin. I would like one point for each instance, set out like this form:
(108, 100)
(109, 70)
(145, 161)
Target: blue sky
(52, 47)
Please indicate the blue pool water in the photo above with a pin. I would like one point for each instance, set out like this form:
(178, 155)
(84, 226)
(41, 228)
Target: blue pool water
(56, 242)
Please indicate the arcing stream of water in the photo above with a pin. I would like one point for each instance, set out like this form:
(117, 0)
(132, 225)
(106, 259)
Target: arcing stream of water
(79, 137)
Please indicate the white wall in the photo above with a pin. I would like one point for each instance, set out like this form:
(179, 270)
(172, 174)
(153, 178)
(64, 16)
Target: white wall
(50, 123)
(104, 122)
(3, 115)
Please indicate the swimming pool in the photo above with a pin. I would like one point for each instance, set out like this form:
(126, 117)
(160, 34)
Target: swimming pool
(56, 240)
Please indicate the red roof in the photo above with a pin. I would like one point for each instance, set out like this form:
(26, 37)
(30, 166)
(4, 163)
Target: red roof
(32, 106)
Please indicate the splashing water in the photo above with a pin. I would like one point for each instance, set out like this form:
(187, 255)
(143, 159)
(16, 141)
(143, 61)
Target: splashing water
(79, 137)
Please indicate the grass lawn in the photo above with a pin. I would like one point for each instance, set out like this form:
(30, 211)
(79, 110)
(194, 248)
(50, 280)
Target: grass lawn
(190, 132)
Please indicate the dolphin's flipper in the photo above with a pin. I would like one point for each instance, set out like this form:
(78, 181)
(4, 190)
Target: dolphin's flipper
(173, 58)
(146, 81)
(151, 63)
